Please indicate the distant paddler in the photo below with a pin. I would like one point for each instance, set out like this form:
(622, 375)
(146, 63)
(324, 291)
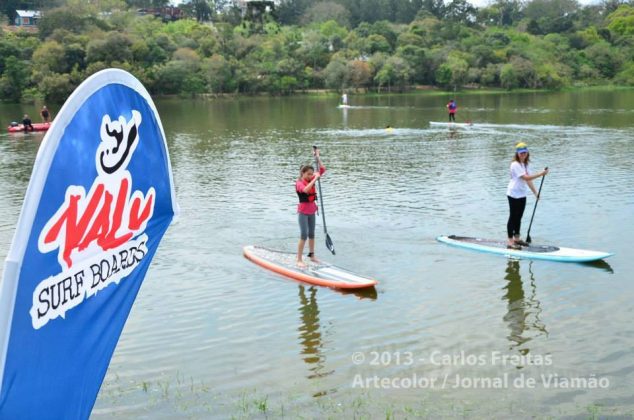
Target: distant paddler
(452, 107)
(344, 99)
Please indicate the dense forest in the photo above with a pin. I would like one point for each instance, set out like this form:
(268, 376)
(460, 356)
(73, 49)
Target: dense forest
(380, 45)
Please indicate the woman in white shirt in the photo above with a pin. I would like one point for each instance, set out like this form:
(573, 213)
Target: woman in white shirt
(521, 181)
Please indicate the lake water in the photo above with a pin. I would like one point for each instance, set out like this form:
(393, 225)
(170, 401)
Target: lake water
(447, 332)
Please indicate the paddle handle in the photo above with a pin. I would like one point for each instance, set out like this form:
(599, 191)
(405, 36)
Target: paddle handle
(321, 200)
(539, 192)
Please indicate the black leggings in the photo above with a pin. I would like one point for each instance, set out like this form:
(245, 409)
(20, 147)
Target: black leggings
(452, 117)
(516, 207)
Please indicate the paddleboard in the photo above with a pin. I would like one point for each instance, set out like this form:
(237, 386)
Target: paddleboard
(36, 127)
(450, 124)
(534, 252)
(343, 106)
(321, 274)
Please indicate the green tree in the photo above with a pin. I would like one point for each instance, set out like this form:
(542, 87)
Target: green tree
(334, 33)
(61, 18)
(219, 74)
(508, 77)
(376, 43)
(621, 21)
(434, 8)
(453, 72)
(314, 49)
(324, 11)
(417, 58)
(179, 76)
(56, 87)
(14, 79)
(524, 72)
(549, 77)
(551, 16)
(460, 11)
(289, 12)
(203, 10)
(490, 75)
(114, 47)
(335, 74)
(604, 58)
(427, 29)
(50, 57)
(7, 49)
(501, 13)
(286, 85)
(395, 72)
(626, 75)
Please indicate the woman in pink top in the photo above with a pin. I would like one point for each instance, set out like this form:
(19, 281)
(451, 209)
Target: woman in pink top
(307, 207)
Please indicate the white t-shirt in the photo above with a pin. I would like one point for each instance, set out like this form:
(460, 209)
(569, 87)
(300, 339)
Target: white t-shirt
(518, 187)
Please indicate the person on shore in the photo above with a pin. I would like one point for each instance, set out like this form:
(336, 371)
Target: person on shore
(307, 207)
(27, 124)
(344, 99)
(516, 192)
(45, 114)
(452, 107)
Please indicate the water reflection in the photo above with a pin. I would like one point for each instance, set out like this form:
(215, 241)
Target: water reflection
(523, 310)
(600, 264)
(367, 293)
(345, 117)
(310, 334)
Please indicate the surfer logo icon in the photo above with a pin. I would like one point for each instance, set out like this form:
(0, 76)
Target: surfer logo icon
(93, 233)
(111, 155)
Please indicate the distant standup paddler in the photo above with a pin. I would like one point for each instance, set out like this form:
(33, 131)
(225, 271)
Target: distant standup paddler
(344, 99)
(452, 107)
(27, 124)
(307, 207)
(45, 114)
(521, 181)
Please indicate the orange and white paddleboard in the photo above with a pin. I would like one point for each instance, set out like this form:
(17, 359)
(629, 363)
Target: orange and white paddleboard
(321, 273)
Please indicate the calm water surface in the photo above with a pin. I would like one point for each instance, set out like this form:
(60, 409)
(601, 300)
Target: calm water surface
(212, 335)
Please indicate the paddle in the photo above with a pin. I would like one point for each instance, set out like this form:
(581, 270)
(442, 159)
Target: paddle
(528, 235)
(329, 244)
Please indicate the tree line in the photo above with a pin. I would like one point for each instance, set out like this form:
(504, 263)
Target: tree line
(333, 44)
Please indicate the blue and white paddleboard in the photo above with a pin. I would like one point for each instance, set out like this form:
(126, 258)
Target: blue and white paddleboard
(534, 252)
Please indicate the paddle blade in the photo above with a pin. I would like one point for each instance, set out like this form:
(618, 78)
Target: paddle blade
(529, 239)
(329, 244)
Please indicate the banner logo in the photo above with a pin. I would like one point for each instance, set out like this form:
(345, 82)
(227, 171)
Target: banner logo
(87, 225)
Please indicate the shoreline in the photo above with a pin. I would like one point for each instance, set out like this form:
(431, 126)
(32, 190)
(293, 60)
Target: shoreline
(419, 90)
